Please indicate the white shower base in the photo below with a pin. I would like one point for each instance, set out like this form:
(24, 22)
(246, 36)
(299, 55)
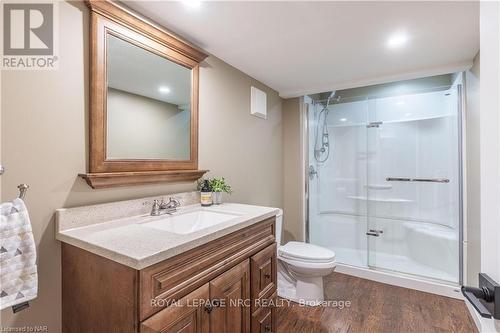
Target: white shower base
(423, 251)
(402, 280)
(392, 262)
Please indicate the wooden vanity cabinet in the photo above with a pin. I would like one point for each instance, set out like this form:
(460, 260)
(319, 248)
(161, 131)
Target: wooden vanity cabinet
(221, 286)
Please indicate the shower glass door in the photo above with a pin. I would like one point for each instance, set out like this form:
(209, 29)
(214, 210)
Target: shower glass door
(384, 179)
(413, 184)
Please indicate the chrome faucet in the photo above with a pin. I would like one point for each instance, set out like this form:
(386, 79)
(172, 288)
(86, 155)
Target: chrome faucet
(160, 208)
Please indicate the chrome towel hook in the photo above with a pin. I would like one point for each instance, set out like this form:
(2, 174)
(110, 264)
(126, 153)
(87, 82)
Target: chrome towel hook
(23, 188)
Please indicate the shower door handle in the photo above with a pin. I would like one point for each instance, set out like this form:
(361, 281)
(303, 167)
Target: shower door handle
(374, 232)
(375, 124)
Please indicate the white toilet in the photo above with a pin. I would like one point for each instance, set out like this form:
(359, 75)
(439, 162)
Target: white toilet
(301, 267)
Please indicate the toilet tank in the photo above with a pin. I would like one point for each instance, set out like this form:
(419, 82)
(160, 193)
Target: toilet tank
(279, 226)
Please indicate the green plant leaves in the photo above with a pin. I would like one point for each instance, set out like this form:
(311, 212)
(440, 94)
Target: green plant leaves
(216, 184)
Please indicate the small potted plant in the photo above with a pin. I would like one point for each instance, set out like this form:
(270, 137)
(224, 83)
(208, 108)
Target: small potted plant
(219, 186)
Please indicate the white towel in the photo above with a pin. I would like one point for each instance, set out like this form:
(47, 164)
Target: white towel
(18, 271)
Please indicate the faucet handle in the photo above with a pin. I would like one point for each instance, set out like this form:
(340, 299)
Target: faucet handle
(162, 203)
(174, 201)
(155, 210)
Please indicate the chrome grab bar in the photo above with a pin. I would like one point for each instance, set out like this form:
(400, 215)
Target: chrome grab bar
(423, 180)
(431, 180)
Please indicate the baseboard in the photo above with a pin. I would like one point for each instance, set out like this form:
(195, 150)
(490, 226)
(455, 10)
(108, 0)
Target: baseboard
(402, 281)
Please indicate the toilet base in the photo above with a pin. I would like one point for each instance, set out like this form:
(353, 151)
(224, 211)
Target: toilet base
(304, 290)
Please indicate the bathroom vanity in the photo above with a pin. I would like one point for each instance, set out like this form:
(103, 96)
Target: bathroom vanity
(124, 269)
(196, 270)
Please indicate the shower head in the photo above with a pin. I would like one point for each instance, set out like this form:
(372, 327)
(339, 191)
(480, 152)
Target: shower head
(329, 97)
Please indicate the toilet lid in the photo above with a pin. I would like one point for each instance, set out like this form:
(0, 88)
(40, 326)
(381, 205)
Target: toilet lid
(306, 251)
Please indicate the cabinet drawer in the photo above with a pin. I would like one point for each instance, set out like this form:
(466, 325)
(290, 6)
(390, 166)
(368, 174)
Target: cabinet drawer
(264, 319)
(263, 272)
(183, 316)
(180, 275)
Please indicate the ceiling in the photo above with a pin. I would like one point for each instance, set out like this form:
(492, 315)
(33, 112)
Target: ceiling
(308, 47)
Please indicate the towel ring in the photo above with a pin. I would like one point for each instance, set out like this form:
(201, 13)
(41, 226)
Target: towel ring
(23, 188)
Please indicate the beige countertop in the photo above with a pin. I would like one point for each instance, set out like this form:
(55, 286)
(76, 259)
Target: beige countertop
(131, 242)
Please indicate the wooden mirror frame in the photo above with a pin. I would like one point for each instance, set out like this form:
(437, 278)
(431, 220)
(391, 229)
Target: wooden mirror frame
(108, 17)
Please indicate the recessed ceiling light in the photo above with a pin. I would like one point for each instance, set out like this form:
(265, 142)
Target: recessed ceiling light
(164, 90)
(397, 40)
(343, 119)
(192, 3)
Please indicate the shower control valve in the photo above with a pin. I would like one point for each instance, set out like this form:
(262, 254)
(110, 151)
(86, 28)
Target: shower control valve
(312, 172)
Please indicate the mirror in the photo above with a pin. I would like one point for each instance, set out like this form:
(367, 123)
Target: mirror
(148, 104)
(143, 116)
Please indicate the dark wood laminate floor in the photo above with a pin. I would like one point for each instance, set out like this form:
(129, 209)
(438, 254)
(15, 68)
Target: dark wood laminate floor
(376, 307)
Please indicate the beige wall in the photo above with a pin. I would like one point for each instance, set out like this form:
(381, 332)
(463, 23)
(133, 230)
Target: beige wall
(244, 149)
(293, 184)
(146, 128)
(473, 174)
(44, 143)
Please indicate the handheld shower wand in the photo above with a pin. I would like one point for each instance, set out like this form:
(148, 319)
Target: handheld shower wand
(325, 140)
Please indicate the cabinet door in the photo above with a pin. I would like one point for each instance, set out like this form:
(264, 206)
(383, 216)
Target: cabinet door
(188, 315)
(264, 273)
(231, 288)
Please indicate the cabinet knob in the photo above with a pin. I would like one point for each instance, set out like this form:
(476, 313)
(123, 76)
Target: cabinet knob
(268, 328)
(267, 276)
(212, 304)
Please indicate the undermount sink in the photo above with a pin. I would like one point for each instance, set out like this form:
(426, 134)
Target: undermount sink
(186, 223)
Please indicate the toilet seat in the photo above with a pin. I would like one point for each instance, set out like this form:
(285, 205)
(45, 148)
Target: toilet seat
(300, 251)
(307, 265)
(305, 255)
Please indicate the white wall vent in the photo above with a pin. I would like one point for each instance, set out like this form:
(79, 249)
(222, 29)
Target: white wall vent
(258, 104)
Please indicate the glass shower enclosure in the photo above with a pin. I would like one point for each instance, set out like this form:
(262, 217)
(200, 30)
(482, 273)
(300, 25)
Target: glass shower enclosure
(384, 175)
